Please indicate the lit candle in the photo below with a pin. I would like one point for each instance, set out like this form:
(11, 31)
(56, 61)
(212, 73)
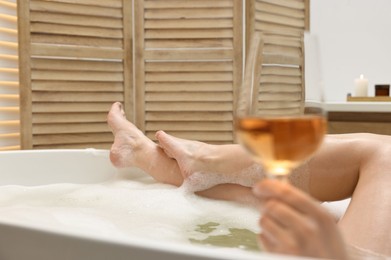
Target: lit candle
(361, 87)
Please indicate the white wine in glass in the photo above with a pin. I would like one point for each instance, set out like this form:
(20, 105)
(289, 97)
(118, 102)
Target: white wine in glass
(274, 121)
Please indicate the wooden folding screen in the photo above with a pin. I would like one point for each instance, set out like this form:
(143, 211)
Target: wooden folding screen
(188, 64)
(75, 60)
(282, 23)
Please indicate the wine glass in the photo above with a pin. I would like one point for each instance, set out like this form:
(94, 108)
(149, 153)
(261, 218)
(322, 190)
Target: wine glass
(274, 121)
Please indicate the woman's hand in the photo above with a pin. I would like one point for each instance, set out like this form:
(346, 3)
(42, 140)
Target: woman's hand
(294, 223)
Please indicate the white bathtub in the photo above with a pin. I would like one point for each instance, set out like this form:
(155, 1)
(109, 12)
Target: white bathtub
(27, 240)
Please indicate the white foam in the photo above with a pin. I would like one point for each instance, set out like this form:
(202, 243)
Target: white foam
(198, 181)
(121, 208)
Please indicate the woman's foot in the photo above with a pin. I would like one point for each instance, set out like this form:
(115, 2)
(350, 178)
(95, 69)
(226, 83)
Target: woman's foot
(129, 141)
(131, 148)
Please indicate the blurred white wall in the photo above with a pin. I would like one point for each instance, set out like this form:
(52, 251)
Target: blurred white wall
(355, 38)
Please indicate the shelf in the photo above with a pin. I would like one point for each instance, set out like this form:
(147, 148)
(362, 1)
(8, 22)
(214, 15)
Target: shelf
(369, 99)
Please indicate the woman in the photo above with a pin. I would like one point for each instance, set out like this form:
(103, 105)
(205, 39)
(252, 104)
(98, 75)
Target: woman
(292, 222)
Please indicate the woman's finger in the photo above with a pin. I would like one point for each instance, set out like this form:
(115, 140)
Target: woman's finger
(278, 238)
(300, 226)
(295, 198)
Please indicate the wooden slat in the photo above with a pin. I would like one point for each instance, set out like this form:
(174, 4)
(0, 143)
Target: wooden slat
(75, 51)
(189, 126)
(280, 79)
(280, 87)
(76, 97)
(79, 65)
(75, 30)
(188, 23)
(77, 75)
(72, 138)
(188, 43)
(279, 97)
(76, 40)
(190, 66)
(184, 54)
(282, 50)
(277, 104)
(279, 20)
(78, 117)
(187, 76)
(188, 13)
(151, 4)
(189, 116)
(282, 41)
(201, 136)
(96, 107)
(188, 33)
(189, 106)
(285, 3)
(77, 86)
(281, 71)
(188, 86)
(282, 59)
(189, 96)
(69, 8)
(106, 3)
(67, 19)
(282, 111)
(69, 128)
(96, 145)
(276, 29)
(279, 10)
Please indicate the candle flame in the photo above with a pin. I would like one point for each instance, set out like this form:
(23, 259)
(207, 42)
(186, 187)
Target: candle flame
(361, 76)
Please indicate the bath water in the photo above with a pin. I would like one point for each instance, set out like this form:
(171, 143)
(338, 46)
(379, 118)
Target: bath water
(127, 206)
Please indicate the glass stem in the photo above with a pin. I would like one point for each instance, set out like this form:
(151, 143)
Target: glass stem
(282, 178)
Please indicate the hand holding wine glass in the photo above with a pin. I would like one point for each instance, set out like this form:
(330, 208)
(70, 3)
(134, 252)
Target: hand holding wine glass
(271, 120)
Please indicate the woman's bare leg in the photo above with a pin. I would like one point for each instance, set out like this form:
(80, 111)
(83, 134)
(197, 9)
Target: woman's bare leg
(352, 165)
(205, 164)
(366, 223)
